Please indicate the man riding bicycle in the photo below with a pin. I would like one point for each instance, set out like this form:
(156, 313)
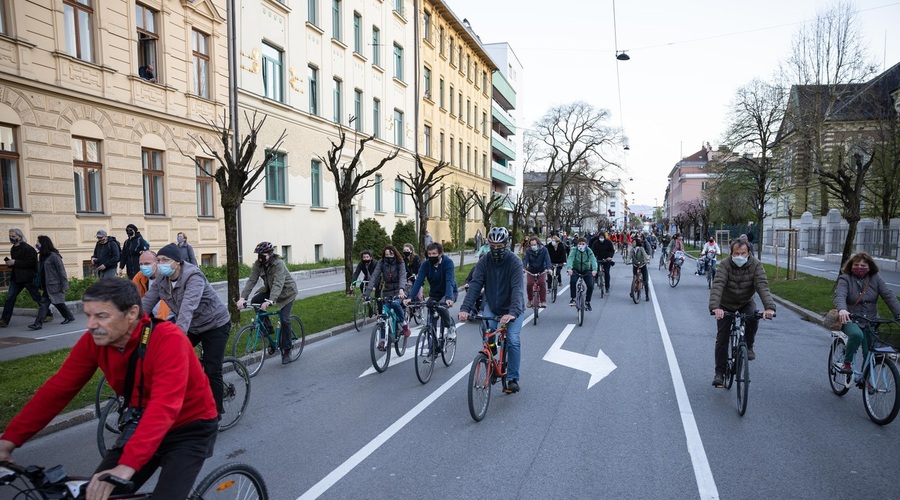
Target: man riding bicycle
(171, 417)
(500, 274)
(708, 255)
(582, 262)
(639, 259)
(536, 261)
(438, 270)
(740, 276)
(559, 253)
(604, 251)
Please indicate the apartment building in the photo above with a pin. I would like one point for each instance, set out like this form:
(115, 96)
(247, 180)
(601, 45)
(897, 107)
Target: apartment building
(98, 100)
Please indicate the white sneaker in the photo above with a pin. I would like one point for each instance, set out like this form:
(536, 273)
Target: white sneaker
(452, 333)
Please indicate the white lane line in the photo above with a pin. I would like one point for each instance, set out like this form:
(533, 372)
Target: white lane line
(357, 458)
(321, 286)
(706, 484)
(45, 337)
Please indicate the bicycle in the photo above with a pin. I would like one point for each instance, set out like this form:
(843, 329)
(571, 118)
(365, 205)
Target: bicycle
(254, 343)
(737, 367)
(430, 343)
(535, 295)
(363, 309)
(386, 330)
(663, 258)
(488, 367)
(878, 374)
(637, 285)
(554, 281)
(580, 297)
(601, 275)
(235, 397)
(675, 275)
(235, 480)
(710, 271)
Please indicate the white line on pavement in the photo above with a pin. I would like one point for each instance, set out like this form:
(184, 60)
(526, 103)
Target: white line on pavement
(706, 484)
(45, 337)
(357, 458)
(321, 286)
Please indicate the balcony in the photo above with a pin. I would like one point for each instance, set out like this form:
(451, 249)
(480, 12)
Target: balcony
(505, 120)
(503, 174)
(503, 92)
(503, 147)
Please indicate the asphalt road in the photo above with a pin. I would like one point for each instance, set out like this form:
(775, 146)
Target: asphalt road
(653, 427)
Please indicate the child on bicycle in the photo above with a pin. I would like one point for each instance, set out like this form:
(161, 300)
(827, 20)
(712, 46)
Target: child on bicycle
(390, 276)
(639, 259)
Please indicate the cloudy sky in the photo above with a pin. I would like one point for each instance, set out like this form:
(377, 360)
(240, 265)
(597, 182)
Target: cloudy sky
(688, 58)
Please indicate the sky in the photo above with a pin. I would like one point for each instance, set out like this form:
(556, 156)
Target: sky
(688, 58)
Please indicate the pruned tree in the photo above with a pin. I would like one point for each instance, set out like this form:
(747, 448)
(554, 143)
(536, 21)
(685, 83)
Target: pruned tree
(422, 184)
(747, 167)
(845, 182)
(236, 177)
(487, 205)
(460, 205)
(350, 179)
(882, 191)
(523, 204)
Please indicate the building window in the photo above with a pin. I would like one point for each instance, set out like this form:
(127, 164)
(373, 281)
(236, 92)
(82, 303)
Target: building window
(398, 127)
(452, 100)
(273, 77)
(475, 72)
(461, 154)
(398, 62)
(484, 167)
(443, 206)
(468, 66)
(460, 49)
(398, 6)
(336, 19)
(441, 93)
(469, 112)
(460, 104)
(338, 98)
(441, 147)
(452, 51)
(468, 158)
(452, 155)
(276, 180)
(205, 183)
(376, 46)
(428, 140)
(357, 110)
(154, 182)
(484, 81)
(315, 176)
(78, 19)
(200, 49)
(88, 175)
(475, 159)
(147, 37)
(475, 114)
(376, 118)
(427, 76)
(3, 29)
(426, 21)
(357, 33)
(313, 90)
(428, 203)
(484, 122)
(441, 41)
(378, 187)
(313, 16)
(399, 200)
(9, 170)
(208, 259)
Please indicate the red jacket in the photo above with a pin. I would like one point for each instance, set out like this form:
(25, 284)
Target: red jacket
(171, 399)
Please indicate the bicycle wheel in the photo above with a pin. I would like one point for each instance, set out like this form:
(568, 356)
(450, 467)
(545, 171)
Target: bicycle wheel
(840, 382)
(742, 369)
(662, 260)
(104, 393)
(448, 350)
(236, 393)
(298, 337)
(108, 426)
(400, 343)
(579, 305)
(380, 357)
(250, 348)
(425, 354)
(880, 393)
(479, 392)
(232, 481)
(635, 290)
(553, 290)
(675, 277)
(362, 312)
(710, 276)
(535, 306)
(600, 282)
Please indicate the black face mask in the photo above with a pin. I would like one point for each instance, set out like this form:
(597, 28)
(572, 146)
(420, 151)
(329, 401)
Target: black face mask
(262, 259)
(130, 234)
(434, 260)
(388, 260)
(407, 253)
(498, 253)
(14, 240)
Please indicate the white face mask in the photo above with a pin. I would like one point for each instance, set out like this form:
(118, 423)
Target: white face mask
(739, 260)
(582, 247)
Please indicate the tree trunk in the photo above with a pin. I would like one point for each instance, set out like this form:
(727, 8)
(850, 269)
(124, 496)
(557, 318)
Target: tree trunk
(886, 234)
(848, 242)
(346, 210)
(231, 260)
(423, 226)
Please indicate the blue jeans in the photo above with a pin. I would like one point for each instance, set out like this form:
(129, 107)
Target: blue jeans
(397, 307)
(14, 290)
(513, 349)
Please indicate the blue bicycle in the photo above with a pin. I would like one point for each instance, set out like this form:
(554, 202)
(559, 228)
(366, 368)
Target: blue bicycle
(386, 334)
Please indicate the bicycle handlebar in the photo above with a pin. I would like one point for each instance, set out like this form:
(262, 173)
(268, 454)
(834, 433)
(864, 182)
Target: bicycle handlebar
(878, 321)
(488, 318)
(728, 314)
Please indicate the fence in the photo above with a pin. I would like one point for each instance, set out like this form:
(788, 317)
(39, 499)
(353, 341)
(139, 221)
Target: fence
(879, 242)
(816, 240)
(837, 241)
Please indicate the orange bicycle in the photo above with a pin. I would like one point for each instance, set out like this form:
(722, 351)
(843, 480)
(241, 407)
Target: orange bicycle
(489, 367)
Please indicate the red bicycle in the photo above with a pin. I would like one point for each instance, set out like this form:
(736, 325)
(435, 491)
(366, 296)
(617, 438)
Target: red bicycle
(535, 296)
(489, 367)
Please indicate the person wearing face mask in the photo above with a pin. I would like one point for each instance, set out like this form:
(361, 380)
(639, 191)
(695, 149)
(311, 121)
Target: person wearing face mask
(53, 282)
(536, 261)
(739, 277)
(500, 276)
(279, 288)
(559, 254)
(364, 269)
(439, 271)
(199, 311)
(604, 251)
(22, 263)
(390, 277)
(131, 251)
(106, 255)
(856, 292)
(187, 251)
(413, 263)
(145, 278)
(582, 262)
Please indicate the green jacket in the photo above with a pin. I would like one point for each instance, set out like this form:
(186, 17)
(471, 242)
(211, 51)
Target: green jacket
(277, 280)
(581, 262)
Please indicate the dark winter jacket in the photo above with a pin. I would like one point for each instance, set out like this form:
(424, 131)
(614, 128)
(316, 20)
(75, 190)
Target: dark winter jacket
(536, 261)
(196, 304)
(131, 252)
(391, 277)
(558, 253)
(107, 254)
(503, 283)
(848, 290)
(441, 280)
(25, 267)
(53, 278)
(364, 270)
(734, 286)
(603, 249)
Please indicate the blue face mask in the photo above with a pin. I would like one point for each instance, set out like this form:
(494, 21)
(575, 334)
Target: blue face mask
(147, 271)
(180, 240)
(165, 269)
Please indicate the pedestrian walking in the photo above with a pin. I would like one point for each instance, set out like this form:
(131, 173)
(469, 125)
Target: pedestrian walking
(187, 251)
(53, 281)
(106, 255)
(22, 262)
(134, 246)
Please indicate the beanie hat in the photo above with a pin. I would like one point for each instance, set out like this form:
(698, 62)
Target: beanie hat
(171, 251)
(132, 227)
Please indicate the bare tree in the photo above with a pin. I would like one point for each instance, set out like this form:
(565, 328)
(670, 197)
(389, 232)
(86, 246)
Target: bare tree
(350, 179)
(846, 182)
(756, 114)
(460, 204)
(523, 204)
(882, 191)
(487, 205)
(421, 186)
(236, 178)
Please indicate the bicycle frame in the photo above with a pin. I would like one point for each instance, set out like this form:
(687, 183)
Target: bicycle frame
(497, 355)
(389, 318)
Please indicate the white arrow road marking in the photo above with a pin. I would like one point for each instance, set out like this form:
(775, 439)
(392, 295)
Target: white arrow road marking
(410, 350)
(598, 367)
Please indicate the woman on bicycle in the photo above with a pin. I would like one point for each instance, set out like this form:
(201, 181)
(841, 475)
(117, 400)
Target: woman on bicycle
(676, 245)
(559, 253)
(860, 284)
(639, 259)
(279, 288)
(604, 251)
(536, 261)
(390, 275)
(413, 263)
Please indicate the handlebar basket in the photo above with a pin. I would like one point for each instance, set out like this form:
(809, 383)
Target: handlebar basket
(679, 258)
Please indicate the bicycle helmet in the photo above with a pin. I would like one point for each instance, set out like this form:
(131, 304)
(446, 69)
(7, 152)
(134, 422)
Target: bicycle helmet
(264, 247)
(498, 235)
